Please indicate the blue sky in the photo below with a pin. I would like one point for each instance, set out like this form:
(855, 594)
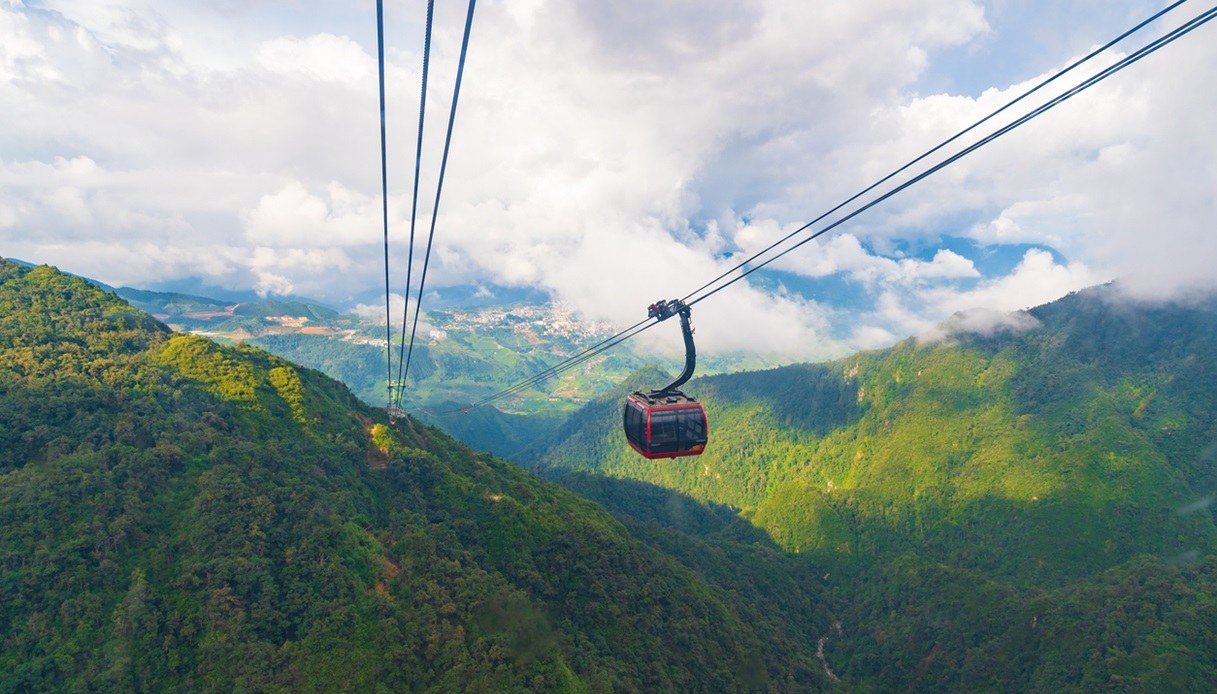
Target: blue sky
(1029, 38)
(608, 154)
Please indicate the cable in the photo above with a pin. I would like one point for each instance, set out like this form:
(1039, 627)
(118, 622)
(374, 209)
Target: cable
(565, 366)
(439, 188)
(1104, 74)
(944, 143)
(384, 188)
(560, 367)
(1125, 62)
(572, 360)
(418, 155)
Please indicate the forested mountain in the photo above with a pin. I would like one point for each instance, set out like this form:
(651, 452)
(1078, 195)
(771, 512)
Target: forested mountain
(1022, 509)
(180, 515)
(1026, 507)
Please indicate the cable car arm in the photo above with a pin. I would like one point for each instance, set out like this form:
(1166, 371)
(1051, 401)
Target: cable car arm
(664, 310)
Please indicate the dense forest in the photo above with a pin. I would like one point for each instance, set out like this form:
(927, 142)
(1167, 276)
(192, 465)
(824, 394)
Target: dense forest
(1029, 507)
(181, 515)
(1025, 509)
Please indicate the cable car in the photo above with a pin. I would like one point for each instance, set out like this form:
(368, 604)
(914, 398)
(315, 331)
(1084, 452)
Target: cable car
(666, 423)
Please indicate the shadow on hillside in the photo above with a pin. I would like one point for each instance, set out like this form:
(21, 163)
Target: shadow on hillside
(812, 397)
(1044, 543)
(648, 503)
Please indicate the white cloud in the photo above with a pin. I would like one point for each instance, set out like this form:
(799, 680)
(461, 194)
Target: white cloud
(293, 216)
(269, 283)
(322, 57)
(397, 308)
(1036, 280)
(376, 312)
(934, 311)
(871, 337)
(1056, 221)
(844, 253)
(946, 264)
(604, 152)
(980, 321)
(8, 215)
(22, 55)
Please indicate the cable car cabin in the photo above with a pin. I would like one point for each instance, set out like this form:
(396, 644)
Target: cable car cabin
(665, 424)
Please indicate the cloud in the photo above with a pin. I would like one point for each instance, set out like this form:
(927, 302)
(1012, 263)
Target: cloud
(132, 164)
(294, 216)
(376, 312)
(22, 55)
(607, 153)
(269, 283)
(1037, 279)
(845, 254)
(1155, 218)
(934, 311)
(980, 321)
(1116, 178)
(321, 57)
(946, 264)
(397, 308)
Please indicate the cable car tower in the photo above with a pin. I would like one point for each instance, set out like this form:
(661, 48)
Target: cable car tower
(394, 411)
(666, 423)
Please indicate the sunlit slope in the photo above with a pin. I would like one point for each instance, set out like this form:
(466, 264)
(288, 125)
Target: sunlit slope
(179, 515)
(1034, 455)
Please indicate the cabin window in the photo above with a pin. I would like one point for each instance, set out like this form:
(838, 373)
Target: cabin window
(694, 428)
(665, 431)
(635, 424)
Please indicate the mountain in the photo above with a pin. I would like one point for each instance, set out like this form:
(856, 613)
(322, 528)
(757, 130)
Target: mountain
(198, 286)
(167, 303)
(204, 314)
(178, 514)
(1024, 503)
(504, 434)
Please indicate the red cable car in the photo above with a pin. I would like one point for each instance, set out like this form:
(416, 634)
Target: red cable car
(666, 423)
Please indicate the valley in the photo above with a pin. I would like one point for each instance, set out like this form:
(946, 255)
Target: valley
(461, 353)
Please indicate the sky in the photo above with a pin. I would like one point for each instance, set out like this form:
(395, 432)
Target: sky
(608, 154)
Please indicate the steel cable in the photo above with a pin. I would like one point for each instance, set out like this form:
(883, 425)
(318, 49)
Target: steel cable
(439, 188)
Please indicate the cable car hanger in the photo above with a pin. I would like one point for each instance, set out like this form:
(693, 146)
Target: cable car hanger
(663, 310)
(666, 423)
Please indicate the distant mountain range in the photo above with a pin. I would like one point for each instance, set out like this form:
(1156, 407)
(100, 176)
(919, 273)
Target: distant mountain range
(477, 342)
(459, 297)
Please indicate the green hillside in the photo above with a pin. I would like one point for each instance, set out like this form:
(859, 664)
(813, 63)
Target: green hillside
(974, 496)
(169, 303)
(266, 309)
(179, 515)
